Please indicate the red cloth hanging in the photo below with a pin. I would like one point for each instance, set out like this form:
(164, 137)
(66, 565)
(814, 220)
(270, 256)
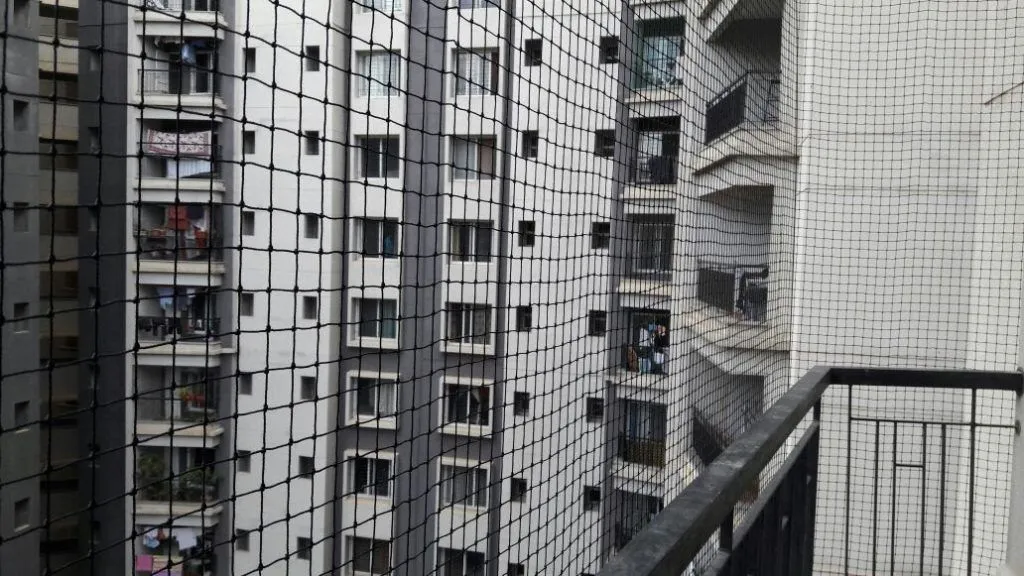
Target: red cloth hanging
(177, 218)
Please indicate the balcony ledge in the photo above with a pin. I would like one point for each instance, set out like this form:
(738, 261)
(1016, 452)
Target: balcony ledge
(155, 22)
(179, 104)
(764, 140)
(155, 513)
(635, 192)
(645, 287)
(719, 329)
(180, 267)
(185, 434)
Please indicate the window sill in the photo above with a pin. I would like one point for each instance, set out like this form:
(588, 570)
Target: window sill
(378, 343)
(384, 423)
(473, 430)
(467, 509)
(475, 349)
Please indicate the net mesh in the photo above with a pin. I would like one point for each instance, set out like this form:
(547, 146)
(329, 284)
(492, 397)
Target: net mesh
(471, 287)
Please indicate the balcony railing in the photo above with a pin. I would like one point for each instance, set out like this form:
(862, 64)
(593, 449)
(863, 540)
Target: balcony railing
(664, 72)
(752, 99)
(654, 169)
(740, 291)
(192, 406)
(183, 5)
(171, 245)
(866, 431)
(164, 329)
(197, 485)
(646, 451)
(644, 359)
(182, 81)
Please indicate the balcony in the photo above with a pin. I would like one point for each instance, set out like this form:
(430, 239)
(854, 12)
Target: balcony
(739, 291)
(178, 239)
(856, 471)
(180, 165)
(655, 152)
(176, 85)
(191, 18)
(658, 65)
(644, 451)
(744, 120)
(191, 417)
(182, 486)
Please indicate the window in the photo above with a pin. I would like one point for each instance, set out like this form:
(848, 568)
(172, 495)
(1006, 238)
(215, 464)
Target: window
(22, 514)
(469, 323)
(58, 155)
(609, 48)
(312, 58)
(312, 226)
(652, 238)
(246, 304)
(524, 318)
(21, 13)
(516, 570)
(531, 143)
(241, 540)
(376, 238)
(518, 488)
(58, 86)
(303, 548)
(642, 438)
(311, 141)
(476, 72)
(309, 307)
(470, 240)
(527, 233)
(371, 476)
(375, 397)
(248, 225)
(243, 461)
(250, 60)
(245, 384)
(307, 387)
(533, 52)
(20, 317)
(384, 6)
(377, 318)
(468, 405)
(466, 486)
(379, 74)
(21, 414)
(460, 562)
(54, 219)
(20, 217)
(370, 556)
(598, 322)
(248, 142)
(595, 409)
(473, 157)
(591, 498)
(604, 143)
(600, 235)
(380, 157)
(521, 403)
(20, 111)
(306, 467)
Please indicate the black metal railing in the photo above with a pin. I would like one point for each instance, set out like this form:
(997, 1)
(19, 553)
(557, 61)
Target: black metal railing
(190, 405)
(740, 291)
(197, 485)
(183, 5)
(753, 98)
(646, 451)
(160, 243)
(776, 533)
(179, 81)
(654, 169)
(163, 329)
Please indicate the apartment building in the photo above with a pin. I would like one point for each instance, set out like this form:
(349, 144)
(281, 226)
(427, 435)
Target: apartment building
(60, 218)
(21, 503)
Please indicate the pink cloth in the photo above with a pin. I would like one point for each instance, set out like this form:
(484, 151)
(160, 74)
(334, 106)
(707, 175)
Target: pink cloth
(192, 144)
(144, 563)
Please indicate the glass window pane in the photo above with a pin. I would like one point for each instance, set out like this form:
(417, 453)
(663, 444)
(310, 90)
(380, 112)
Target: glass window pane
(372, 158)
(483, 242)
(367, 318)
(389, 316)
(390, 239)
(371, 238)
(366, 397)
(463, 159)
(361, 549)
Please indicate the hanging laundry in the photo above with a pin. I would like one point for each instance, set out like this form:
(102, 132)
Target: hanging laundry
(144, 563)
(187, 538)
(150, 540)
(190, 144)
(188, 53)
(187, 167)
(177, 218)
(166, 295)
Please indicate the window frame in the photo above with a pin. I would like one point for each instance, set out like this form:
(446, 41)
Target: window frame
(356, 487)
(458, 228)
(477, 498)
(467, 314)
(476, 148)
(358, 338)
(383, 152)
(457, 413)
(463, 566)
(533, 52)
(370, 87)
(374, 544)
(463, 82)
(359, 232)
(379, 417)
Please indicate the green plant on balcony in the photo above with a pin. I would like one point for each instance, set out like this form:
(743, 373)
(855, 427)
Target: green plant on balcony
(197, 485)
(151, 477)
